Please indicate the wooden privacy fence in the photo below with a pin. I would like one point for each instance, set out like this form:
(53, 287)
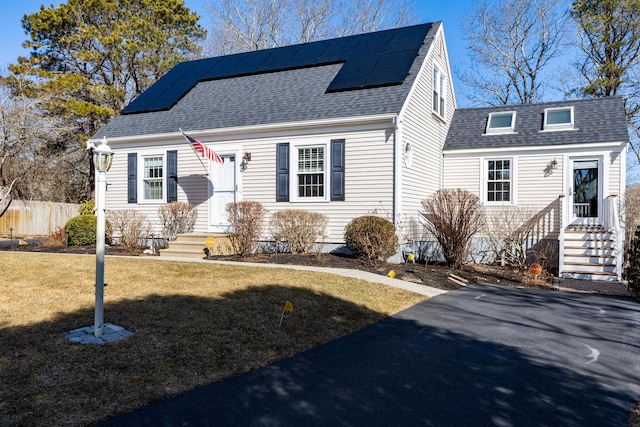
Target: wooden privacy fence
(29, 218)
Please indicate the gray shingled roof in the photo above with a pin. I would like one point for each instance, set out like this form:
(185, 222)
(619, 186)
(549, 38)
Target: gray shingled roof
(277, 97)
(596, 120)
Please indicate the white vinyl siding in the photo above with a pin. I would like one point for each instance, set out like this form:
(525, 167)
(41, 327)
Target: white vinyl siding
(537, 190)
(425, 132)
(368, 178)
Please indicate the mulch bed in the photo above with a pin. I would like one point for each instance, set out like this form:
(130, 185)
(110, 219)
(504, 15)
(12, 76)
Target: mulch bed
(434, 275)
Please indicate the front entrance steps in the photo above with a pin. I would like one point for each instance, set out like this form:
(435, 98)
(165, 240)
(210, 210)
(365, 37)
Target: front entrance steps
(193, 245)
(589, 253)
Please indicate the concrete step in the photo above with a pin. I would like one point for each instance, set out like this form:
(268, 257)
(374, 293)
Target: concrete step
(589, 267)
(609, 277)
(194, 246)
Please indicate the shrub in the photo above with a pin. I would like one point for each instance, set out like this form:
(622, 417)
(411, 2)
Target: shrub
(298, 229)
(371, 237)
(245, 218)
(176, 218)
(632, 271)
(82, 230)
(453, 216)
(510, 231)
(131, 226)
(87, 208)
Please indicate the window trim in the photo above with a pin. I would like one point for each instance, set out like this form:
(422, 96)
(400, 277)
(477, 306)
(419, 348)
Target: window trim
(484, 180)
(141, 179)
(293, 182)
(504, 129)
(558, 126)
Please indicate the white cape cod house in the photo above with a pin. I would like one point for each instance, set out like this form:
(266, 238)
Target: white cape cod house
(353, 126)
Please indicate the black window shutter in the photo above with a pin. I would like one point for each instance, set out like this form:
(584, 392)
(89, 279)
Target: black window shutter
(132, 179)
(282, 172)
(172, 176)
(337, 170)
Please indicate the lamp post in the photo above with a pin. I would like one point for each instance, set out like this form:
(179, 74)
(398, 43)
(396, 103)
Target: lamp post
(102, 158)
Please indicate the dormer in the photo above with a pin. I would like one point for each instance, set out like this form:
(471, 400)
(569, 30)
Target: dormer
(559, 118)
(501, 122)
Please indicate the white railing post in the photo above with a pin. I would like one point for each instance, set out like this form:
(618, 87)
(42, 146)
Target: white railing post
(613, 225)
(560, 235)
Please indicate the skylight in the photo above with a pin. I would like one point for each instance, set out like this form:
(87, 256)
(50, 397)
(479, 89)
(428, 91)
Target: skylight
(558, 118)
(503, 122)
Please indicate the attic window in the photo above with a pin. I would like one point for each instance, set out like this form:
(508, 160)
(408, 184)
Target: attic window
(558, 118)
(501, 122)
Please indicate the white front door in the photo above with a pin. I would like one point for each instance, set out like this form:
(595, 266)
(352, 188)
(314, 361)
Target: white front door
(223, 189)
(585, 190)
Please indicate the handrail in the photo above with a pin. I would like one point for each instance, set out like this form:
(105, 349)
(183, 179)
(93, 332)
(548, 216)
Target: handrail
(561, 222)
(613, 225)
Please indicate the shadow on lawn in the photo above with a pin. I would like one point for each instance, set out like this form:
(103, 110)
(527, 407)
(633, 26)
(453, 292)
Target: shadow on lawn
(398, 371)
(406, 371)
(180, 342)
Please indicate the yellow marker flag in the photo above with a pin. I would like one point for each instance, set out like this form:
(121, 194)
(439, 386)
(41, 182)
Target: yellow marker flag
(288, 306)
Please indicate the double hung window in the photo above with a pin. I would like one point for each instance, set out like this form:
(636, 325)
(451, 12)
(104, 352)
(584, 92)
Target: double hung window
(311, 172)
(438, 92)
(499, 180)
(153, 177)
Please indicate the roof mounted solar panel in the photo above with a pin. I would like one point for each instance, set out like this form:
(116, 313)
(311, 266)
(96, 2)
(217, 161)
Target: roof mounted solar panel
(278, 58)
(338, 50)
(373, 59)
(353, 74)
(223, 67)
(372, 44)
(392, 68)
(250, 62)
(146, 99)
(408, 38)
(172, 95)
(308, 54)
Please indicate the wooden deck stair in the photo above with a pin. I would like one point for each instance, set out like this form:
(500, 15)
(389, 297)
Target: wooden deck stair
(589, 253)
(192, 245)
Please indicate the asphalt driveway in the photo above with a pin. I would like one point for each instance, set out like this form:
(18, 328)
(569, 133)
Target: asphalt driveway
(483, 355)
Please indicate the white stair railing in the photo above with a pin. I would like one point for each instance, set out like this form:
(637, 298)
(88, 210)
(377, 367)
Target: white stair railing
(612, 223)
(561, 223)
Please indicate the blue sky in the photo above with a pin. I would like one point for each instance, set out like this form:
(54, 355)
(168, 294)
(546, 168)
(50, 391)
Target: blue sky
(12, 34)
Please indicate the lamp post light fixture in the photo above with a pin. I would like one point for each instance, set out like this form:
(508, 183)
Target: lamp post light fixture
(102, 158)
(100, 332)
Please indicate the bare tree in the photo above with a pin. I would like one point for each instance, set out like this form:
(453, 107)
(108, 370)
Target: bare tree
(246, 25)
(610, 43)
(510, 43)
(363, 16)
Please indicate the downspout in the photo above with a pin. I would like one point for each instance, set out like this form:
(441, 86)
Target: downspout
(397, 185)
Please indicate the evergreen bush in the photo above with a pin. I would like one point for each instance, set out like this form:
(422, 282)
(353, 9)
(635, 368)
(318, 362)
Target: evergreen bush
(371, 237)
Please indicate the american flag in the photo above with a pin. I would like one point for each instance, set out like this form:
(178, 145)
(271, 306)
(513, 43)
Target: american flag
(204, 150)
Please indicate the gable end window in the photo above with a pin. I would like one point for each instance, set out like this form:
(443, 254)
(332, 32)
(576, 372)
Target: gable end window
(438, 92)
(503, 122)
(499, 181)
(558, 118)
